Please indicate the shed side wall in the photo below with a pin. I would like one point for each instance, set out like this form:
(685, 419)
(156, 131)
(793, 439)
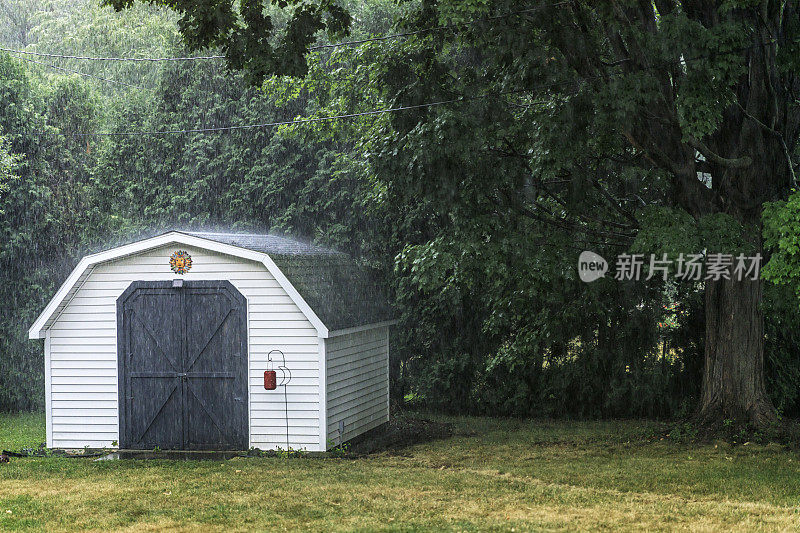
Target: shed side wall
(83, 351)
(357, 388)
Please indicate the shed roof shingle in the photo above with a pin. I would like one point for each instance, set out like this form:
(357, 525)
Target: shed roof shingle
(342, 294)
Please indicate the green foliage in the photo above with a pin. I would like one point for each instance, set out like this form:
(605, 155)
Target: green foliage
(338, 451)
(85, 28)
(782, 239)
(714, 69)
(666, 230)
(8, 165)
(673, 231)
(722, 233)
(782, 339)
(45, 215)
(261, 41)
(684, 432)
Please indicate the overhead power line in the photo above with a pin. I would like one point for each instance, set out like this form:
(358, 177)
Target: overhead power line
(275, 124)
(540, 87)
(329, 118)
(576, 81)
(92, 58)
(313, 48)
(84, 74)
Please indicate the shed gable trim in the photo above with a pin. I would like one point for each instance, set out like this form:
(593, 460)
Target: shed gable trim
(69, 287)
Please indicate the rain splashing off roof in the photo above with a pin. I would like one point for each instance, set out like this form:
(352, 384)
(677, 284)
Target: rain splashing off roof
(342, 293)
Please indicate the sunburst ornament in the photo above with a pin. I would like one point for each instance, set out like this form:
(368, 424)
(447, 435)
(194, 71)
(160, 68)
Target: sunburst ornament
(180, 262)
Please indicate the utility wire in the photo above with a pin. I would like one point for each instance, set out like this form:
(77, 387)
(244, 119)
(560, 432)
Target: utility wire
(312, 48)
(84, 74)
(92, 58)
(374, 112)
(682, 61)
(276, 124)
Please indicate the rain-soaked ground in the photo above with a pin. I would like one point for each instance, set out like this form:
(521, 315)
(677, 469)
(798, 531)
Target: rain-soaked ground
(170, 455)
(401, 432)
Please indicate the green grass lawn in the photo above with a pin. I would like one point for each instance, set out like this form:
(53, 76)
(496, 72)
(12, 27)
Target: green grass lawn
(19, 431)
(493, 475)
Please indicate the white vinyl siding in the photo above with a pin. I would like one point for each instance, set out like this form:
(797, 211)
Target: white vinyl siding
(82, 351)
(357, 391)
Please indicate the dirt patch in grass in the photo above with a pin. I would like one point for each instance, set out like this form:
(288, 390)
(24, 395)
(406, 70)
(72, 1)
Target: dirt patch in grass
(695, 431)
(399, 433)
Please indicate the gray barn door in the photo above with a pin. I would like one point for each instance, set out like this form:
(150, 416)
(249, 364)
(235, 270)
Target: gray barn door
(182, 355)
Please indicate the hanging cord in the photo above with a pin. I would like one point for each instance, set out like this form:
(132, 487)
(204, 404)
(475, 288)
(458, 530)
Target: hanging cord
(285, 379)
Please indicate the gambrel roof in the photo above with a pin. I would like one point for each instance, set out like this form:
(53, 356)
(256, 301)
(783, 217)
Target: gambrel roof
(328, 287)
(337, 289)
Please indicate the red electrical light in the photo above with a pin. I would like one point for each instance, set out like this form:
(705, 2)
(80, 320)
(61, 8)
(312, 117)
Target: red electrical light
(270, 379)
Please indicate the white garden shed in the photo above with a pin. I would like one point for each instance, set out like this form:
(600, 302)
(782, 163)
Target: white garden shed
(164, 342)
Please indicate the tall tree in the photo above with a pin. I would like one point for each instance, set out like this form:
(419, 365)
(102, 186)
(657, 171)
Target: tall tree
(689, 106)
(45, 214)
(701, 93)
(19, 19)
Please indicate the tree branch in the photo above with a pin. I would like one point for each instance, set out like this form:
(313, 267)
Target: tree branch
(737, 162)
(611, 200)
(780, 137)
(560, 222)
(513, 152)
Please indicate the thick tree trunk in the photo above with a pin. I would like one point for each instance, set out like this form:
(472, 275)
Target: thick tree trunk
(733, 378)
